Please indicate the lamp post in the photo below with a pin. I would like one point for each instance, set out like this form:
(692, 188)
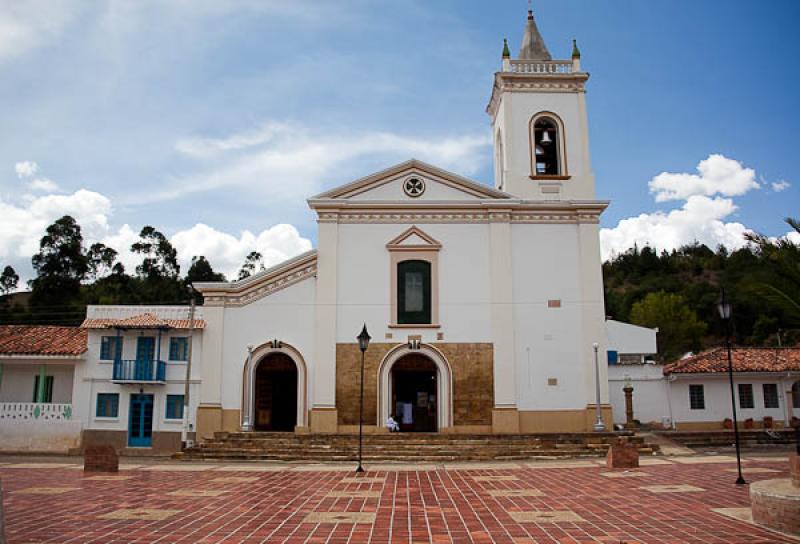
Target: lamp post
(599, 426)
(363, 344)
(724, 308)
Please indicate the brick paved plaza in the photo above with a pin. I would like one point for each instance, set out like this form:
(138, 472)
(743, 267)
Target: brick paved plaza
(688, 499)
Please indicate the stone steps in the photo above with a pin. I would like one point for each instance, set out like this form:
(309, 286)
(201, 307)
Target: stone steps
(408, 447)
(724, 438)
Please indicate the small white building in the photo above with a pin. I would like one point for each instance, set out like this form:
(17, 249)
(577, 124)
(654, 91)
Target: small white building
(129, 391)
(694, 393)
(38, 365)
(631, 359)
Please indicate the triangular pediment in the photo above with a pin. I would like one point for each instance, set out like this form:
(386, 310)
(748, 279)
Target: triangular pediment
(414, 238)
(401, 183)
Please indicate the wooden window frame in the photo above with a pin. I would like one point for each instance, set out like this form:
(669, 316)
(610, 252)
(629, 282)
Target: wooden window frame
(115, 405)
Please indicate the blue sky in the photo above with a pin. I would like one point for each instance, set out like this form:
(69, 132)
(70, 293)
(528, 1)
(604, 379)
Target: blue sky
(209, 119)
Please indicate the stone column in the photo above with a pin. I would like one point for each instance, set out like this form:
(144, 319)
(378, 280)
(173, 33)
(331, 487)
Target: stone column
(628, 390)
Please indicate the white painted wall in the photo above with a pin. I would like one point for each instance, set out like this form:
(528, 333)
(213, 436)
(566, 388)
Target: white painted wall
(550, 342)
(364, 282)
(625, 338)
(650, 393)
(19, 377)
(39, 436)
(718, 398)
(286, 315)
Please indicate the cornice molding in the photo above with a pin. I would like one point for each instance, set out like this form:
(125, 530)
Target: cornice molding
(261, 285)
(523, 82)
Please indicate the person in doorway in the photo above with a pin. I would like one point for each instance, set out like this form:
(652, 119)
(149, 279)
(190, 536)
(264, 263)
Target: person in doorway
(392, 425)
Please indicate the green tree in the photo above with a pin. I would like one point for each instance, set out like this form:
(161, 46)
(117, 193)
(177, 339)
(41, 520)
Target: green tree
(159, 258)
(60, 265)
(783, 256)
(252, 263)
(679, 330)
(101, 260)
(201, 270)
(9, 280)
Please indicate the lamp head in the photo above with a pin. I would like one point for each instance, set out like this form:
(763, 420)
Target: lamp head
(363, 339)
(724, 306)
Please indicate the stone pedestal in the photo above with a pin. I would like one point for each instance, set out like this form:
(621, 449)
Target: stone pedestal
(622, 454)
(100, 458)
(776, 503)
(629, 423)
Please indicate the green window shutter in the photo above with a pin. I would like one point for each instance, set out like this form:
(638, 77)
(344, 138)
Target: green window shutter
(414, 292)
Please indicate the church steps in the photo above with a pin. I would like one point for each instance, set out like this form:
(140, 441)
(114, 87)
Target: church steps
(416, 447)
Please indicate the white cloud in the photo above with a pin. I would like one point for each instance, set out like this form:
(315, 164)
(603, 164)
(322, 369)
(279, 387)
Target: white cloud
(25, 25)
(701, 218)
(290, 162)
(226, 253)
(719, 175)
(781, 185)
(44, 185)
(26, 169)
(23, 224)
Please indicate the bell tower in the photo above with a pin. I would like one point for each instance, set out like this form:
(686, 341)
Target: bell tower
(539, 123)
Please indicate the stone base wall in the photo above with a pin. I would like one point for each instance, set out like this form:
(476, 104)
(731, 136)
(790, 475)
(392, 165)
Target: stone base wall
(472, 366)
(562, 421)
(39, 436)
(163, 441)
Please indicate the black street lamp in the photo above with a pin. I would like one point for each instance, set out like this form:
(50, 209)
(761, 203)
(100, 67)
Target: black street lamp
(724, 308)
(363, 344)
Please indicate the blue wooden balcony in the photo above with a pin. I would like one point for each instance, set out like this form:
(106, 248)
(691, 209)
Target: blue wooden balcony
(139, 371)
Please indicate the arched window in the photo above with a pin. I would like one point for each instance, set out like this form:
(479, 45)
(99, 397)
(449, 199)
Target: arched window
(413, 292)
(546, 144)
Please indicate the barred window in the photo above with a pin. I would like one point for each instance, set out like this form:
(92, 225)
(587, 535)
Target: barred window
(697, 398)
(770, 395)
(746, 395)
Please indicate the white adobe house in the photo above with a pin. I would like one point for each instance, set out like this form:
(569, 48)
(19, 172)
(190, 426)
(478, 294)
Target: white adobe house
(694, 394)
(484, 304)
(129, 391)
(37, 369)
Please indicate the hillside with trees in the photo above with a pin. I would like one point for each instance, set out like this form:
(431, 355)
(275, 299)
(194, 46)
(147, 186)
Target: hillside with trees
(678, 292)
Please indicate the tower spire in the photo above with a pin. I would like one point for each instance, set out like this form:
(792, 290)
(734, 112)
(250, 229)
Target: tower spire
(533, 46)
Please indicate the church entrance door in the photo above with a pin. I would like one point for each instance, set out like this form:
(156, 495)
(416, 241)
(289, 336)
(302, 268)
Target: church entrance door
(414, 389)
(275, 394)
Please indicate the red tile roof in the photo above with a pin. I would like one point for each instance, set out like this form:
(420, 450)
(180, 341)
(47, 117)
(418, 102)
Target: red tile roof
(744, 360)
(141, 321)
(41, 340)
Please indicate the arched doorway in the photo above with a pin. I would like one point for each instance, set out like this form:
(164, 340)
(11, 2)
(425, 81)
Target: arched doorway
(419, 369)
(414, 393)
(275, 394)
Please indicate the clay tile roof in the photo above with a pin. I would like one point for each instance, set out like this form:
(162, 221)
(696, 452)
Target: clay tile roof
(744, 360)
(41, 340)
(141, 321)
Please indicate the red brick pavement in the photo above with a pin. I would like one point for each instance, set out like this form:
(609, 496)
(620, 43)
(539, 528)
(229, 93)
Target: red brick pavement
(64, 505)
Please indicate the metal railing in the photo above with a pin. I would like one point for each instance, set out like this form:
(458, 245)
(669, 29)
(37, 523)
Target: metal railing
(139, 370)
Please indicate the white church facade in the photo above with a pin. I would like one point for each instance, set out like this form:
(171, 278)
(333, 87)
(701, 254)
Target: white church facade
(485, 305)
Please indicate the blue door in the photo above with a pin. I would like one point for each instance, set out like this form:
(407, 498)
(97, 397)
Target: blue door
(140, 421)
(145, 353)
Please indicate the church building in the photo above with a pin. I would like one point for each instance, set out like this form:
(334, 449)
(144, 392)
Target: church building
(484, 304)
